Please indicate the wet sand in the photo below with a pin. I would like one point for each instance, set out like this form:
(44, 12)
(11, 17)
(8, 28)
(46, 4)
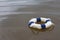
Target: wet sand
(15, 25)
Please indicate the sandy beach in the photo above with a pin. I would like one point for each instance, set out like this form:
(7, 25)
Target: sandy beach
(16, 28)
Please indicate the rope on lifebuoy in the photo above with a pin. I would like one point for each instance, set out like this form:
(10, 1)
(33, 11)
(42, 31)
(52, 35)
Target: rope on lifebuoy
(32, 23)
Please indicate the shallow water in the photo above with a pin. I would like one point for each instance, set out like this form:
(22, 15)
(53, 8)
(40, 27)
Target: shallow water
(15, 14)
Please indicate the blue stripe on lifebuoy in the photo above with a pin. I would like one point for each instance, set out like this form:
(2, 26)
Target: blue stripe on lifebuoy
(47, 21)
(43, 26)
(30, 23)
(38, 19)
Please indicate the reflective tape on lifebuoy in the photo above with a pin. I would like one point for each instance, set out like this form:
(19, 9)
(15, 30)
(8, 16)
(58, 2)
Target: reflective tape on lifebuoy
(47, 23)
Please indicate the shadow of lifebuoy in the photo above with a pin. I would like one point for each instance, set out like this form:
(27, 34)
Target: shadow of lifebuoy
(37, 31)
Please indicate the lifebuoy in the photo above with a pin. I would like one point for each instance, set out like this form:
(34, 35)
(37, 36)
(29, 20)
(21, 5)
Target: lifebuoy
(47, 23)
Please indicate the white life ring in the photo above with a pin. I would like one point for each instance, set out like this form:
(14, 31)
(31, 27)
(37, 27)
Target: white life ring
(48, 23)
